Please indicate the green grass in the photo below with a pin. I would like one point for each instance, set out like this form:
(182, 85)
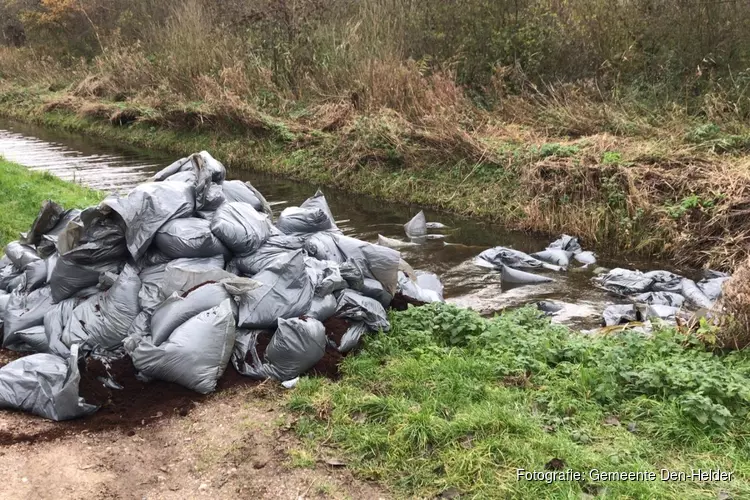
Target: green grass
(23, 191)
(451, 400)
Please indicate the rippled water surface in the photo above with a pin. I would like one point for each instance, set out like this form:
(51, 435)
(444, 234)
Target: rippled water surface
(117, 168)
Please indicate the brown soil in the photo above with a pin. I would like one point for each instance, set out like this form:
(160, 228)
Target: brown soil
(336, 328)
(234, 444)
(401, 302)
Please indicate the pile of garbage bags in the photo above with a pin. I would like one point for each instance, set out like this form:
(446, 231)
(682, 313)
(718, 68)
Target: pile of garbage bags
(182, 275)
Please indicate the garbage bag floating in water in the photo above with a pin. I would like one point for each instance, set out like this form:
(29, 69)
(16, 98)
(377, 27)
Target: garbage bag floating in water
(498, 257)
(417, 226)
(567, 243)
(625, 281)
(45, 385)
(516, 277)
(553, 256)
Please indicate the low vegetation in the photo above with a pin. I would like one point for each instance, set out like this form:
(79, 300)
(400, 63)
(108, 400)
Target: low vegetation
(23, 192)
(455, 403)
(586, 117)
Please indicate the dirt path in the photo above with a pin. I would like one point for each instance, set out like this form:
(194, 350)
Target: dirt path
(235, 444)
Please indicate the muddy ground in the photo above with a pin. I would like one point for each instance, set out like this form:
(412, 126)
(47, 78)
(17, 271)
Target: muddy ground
(237, 443)
(161, 441)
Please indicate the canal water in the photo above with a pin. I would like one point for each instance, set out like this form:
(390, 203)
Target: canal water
(117, 168)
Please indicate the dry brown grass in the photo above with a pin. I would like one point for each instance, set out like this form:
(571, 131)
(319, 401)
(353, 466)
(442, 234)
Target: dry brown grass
(734, 310)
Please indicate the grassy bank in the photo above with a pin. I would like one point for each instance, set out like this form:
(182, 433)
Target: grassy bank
(450, 402)
(674, 197)
(24, 191)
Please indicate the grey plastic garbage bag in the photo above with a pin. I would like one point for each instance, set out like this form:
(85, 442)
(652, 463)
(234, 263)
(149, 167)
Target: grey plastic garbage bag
(501, 256)
(585, 258)
(103, 320)
(69, 278)
(664, 281)
(426, 288)
(10, 278)
(240, 227)
(21, 255)
(188, 238)
(182, 275)
(48, 242)
(511, 276)
(354, 306)
(567, 243)
(247, 343)
(36, 275)
(694, 295)
(625, 281)
(322, 308)
(297, 346)
(417, 226)
(176, 309)
(374, 289)
(152, 281)
(48, 216)
(274, 247)
(285, 292)
(148, 207)
(55, 321)
(245, 192)
(4, 299)
(661, 298)
(325, 276)
(206, 171)
(196, 353)
(712, 287)
(25, 310)
(352, 337)
(318, 201)
(32, 339)
(553, 256)
(303, 220)
(45, 385)
(380, 263)
(620, 313)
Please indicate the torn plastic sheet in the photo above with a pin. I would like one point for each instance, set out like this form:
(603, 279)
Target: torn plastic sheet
(196, 353)
(45, 385)
(148, 207)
